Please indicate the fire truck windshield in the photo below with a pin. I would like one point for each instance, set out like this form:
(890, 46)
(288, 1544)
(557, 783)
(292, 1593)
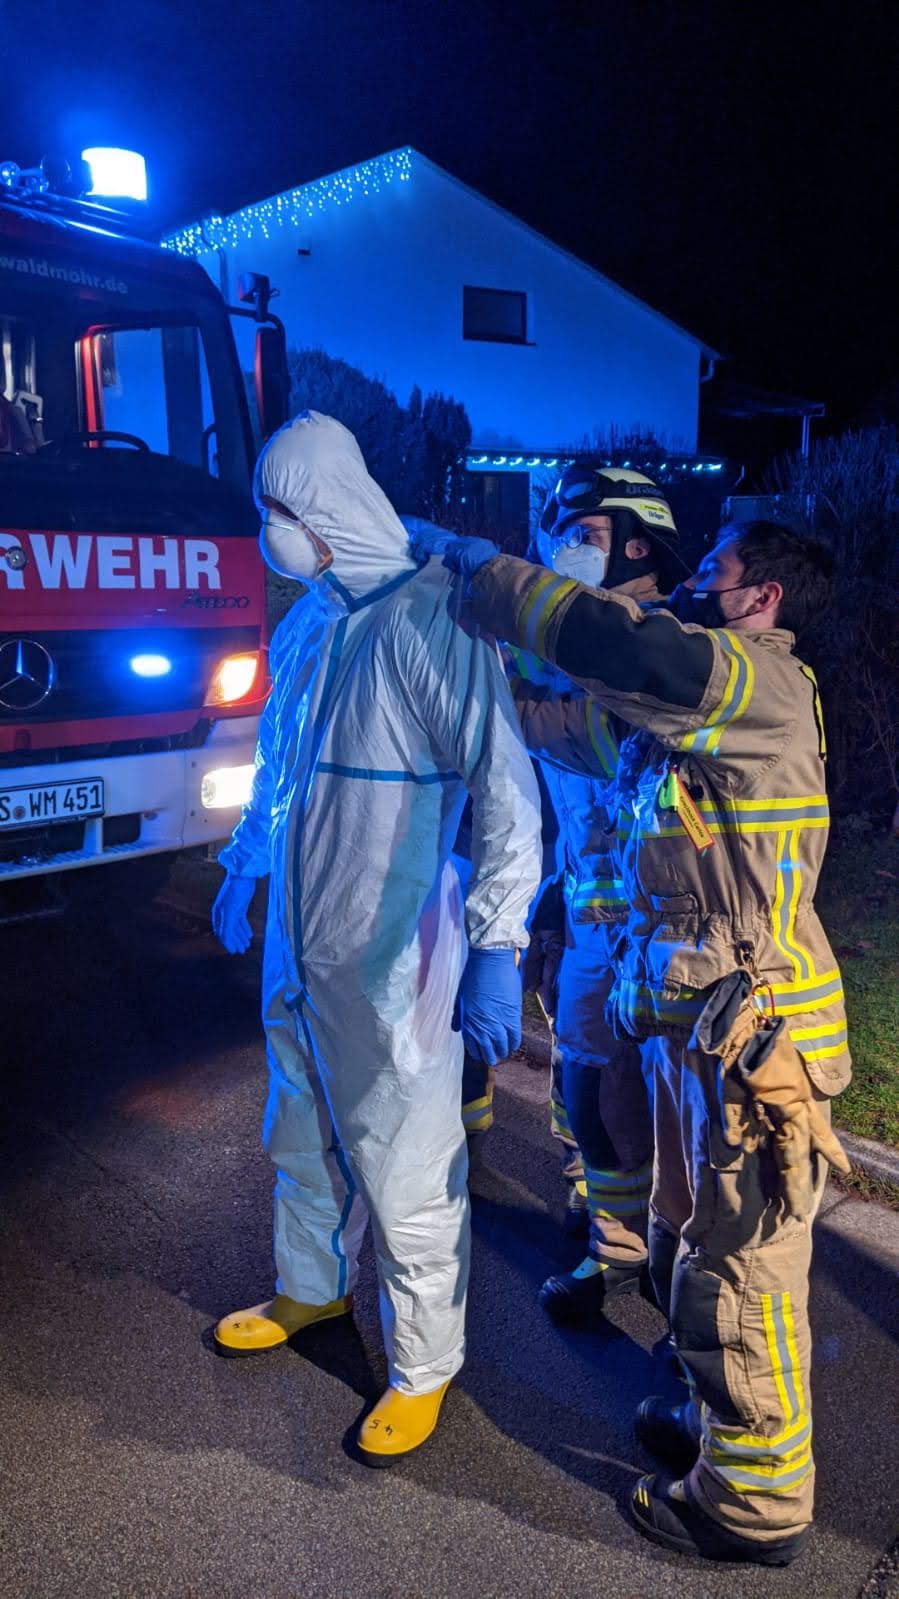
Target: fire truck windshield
(149, 403)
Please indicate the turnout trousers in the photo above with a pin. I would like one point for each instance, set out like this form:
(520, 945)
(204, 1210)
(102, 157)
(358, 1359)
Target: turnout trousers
(734, 1270)
(599, 1099)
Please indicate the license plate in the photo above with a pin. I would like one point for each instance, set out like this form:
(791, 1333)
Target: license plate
(39, 803)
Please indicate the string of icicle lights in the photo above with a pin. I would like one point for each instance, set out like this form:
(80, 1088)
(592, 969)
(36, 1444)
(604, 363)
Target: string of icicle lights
(293, 207)
(517, 463)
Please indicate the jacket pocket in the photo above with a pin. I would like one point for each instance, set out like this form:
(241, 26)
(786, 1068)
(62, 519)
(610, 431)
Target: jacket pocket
(683, 951)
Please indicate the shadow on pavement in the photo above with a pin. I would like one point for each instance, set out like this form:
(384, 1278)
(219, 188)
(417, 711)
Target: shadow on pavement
(140, 1200)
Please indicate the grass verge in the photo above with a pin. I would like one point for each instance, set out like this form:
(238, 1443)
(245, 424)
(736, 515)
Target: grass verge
(858, 901)
(859, 1185)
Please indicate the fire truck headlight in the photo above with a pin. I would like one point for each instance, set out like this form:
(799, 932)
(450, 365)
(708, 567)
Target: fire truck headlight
(230, 785)
(150, 665)
(116, 174)
(233, 678)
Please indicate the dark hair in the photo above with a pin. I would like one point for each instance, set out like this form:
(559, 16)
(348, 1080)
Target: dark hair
(802, 566)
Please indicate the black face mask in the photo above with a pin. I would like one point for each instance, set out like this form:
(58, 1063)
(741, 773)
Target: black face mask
(702, 606)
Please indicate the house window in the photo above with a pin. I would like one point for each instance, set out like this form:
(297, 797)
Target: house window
(497, 315)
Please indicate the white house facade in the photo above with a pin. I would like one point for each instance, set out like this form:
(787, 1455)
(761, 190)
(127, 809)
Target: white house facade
(400, 269)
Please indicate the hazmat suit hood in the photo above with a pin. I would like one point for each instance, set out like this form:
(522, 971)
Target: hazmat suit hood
(314, 470)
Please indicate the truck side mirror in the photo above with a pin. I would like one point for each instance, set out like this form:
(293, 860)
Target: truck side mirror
(255, 289)
(271, 379)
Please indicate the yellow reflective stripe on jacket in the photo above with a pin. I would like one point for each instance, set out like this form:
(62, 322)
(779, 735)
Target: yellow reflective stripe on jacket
(728, 825)
(532, 604)
(640, 1001)
(801, 996)
(798, 998)
(803, 803)
(539, 608)
(737, 695)
(731, 825)
(603, 740)
(823, 1042)
(597, 892)
(788, 886)
(746, 817)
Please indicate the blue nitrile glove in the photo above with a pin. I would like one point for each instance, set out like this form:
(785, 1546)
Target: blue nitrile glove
(229, 913)
(488, 1007)
(459, 554)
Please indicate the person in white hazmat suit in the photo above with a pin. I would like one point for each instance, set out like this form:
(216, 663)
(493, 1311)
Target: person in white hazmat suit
(384, 712)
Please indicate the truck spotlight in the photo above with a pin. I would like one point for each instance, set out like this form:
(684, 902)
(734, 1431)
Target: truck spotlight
(230, 785)
(150, 665)
(233, 678)
(116, 174)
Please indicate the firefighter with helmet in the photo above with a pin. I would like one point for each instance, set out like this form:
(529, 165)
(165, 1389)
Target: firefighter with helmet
(612, 529)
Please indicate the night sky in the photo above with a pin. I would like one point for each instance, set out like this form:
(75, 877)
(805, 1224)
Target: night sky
(734, 165)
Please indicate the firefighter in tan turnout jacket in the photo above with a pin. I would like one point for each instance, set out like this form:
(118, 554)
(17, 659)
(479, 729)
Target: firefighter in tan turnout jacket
(725, 965)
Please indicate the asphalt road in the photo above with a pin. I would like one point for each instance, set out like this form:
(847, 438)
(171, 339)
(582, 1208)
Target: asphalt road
(137, 1465)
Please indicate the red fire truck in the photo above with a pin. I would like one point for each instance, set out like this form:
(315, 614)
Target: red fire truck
(132, 596)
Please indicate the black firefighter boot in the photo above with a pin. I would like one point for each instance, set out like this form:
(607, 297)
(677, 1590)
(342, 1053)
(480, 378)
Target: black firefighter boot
(669, 1432)
(583, 1294)
(665, 1512)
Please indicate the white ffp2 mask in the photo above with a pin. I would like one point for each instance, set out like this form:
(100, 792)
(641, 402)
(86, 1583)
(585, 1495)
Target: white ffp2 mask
(585, 563)
(289, 548)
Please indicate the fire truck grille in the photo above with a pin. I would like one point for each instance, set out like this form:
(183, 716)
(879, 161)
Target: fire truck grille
(89, 675)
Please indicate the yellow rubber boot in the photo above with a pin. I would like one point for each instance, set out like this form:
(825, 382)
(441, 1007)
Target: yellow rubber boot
(398, 1424)
(264, 1327)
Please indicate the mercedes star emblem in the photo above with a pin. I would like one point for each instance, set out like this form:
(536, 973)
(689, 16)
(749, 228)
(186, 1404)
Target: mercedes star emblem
(27, 674)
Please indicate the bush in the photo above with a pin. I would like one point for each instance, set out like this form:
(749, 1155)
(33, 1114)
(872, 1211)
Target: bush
(280, 594)
(846, 493)
(645, 448)
(414, 452)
